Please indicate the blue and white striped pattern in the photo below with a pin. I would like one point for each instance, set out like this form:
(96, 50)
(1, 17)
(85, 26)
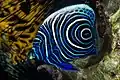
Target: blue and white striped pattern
(66, 34)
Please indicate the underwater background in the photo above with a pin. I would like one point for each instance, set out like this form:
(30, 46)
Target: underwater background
(19, 23)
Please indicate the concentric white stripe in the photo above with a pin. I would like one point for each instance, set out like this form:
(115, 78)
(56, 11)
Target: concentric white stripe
(36, 53)
(36, 39)
(82, 25)
(62, 40)
(82, 34)
(47, 57)
(55, 37)
(68, 35)
(45, 42)
(51, 44)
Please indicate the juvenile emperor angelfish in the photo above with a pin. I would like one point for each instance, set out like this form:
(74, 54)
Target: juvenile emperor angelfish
(66, 34)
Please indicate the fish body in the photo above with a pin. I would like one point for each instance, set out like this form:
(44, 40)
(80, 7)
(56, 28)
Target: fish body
(66, 34)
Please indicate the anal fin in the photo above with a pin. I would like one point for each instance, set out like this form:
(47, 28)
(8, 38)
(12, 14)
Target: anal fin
(67, 66)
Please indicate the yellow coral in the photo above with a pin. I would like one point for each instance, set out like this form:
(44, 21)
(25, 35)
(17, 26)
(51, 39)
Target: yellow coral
(15, 19)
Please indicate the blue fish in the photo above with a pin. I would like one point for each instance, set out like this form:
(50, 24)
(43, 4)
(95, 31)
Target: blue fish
(66, 34)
